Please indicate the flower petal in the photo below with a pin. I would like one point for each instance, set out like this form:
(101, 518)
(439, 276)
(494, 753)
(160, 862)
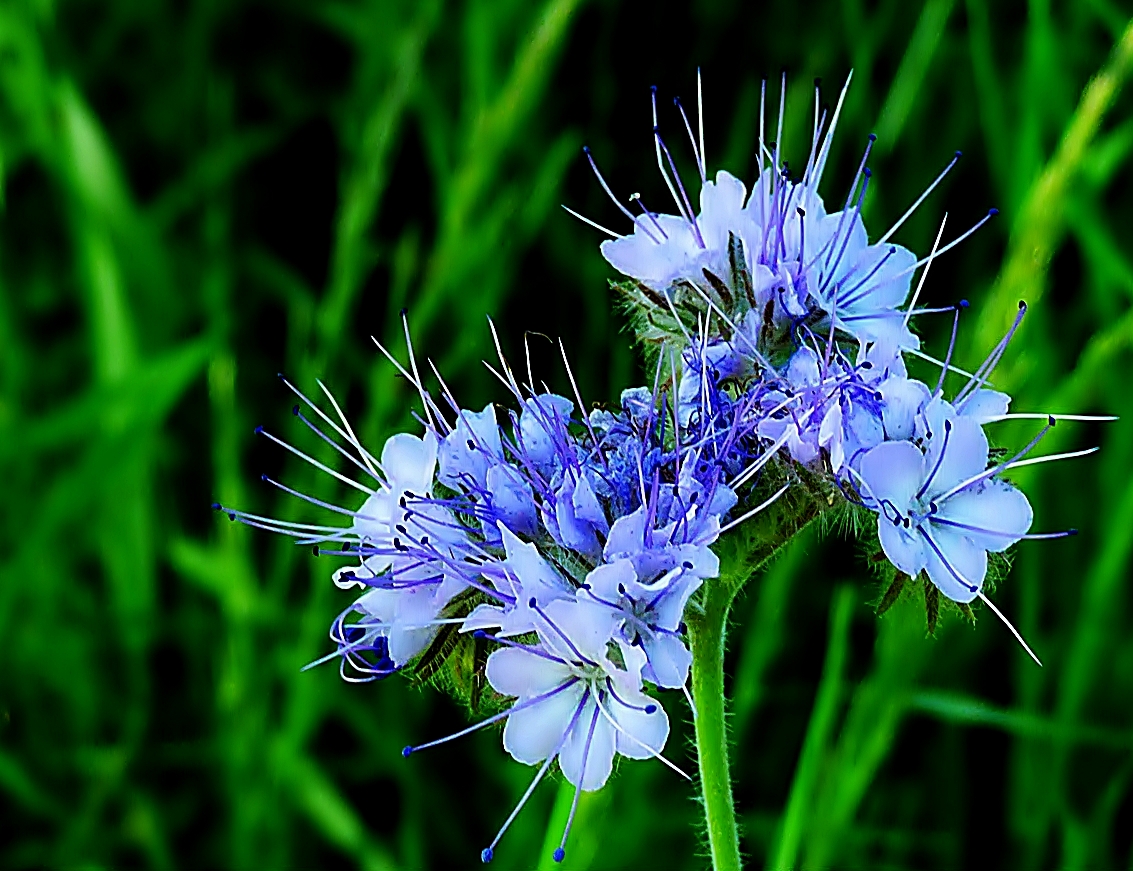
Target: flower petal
(892, 473)
(587, 757)
(956, 565)
(533, 731)
(513, 671)
(993, 515)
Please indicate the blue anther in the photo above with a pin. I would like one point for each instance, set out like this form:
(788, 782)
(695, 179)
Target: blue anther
(559, 854)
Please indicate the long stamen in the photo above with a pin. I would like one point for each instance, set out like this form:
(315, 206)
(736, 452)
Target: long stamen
(939, 460)
(660, 164)
(619, 728)
(298, 412)
(489, 851)
(320, 466)
(495, 718)
(700, 124)
(782, 112)
(560, 853)
(425, 399)
(691, 138)
(924, 275)
(983, 373)
(594, 224)
(370, 460)
(322, 504)
(691, 213)
(533, 604)
(610, 193)
(963, 304)
(920, 199)
(1007, 623)
(755, 510)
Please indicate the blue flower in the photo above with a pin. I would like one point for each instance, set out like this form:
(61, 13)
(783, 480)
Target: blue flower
(573, 703)
(942, 510)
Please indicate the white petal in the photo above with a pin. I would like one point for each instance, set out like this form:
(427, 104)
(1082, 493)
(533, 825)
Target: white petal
(642, 735)
(892, 472)
(409, 461)
(964, 559)
(994, 506)
(533, 732)
(588, 755)
(905, 549)
(515, 672)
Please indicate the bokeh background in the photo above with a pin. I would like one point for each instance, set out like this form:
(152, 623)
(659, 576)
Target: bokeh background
(197, 195)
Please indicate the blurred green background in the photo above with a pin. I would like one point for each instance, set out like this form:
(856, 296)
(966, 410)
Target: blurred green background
(196, 195)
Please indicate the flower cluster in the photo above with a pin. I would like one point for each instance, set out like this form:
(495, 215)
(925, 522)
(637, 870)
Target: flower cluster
(790, 311)
(572, 543)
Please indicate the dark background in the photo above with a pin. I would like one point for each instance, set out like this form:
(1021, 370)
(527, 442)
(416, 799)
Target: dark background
(198, 195)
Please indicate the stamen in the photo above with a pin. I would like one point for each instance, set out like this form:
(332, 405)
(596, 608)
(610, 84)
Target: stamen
(691, 138)
(534, 606)
(920, 199)
(782, 108)
(595, 224)
(680, 185)
(963, 304)
(991, 214)
(1007, 623)
(1045, 416)
(754, 511)
(936, 466)
(351, 437)
(825, 153)
(487, 853)
(992, 360)
(560, 853)
(369, 458)
(661, 166)
(327, 505)
(636, 198)
(298, 412)
(425, 400)
(924, 275)
(320, 466)
(495, 718)
(700, 125)
(652, 752)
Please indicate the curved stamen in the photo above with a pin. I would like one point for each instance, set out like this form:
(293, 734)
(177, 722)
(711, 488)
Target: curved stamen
(495, 718)
(1011, 628)
(534, 606)
(939, 460)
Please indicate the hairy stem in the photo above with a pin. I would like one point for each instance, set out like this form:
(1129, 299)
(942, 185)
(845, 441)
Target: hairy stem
(706, 637)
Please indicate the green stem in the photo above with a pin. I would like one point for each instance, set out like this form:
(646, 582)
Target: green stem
(706, 637)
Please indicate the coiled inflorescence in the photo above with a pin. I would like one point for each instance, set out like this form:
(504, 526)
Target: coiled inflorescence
(571, 544)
